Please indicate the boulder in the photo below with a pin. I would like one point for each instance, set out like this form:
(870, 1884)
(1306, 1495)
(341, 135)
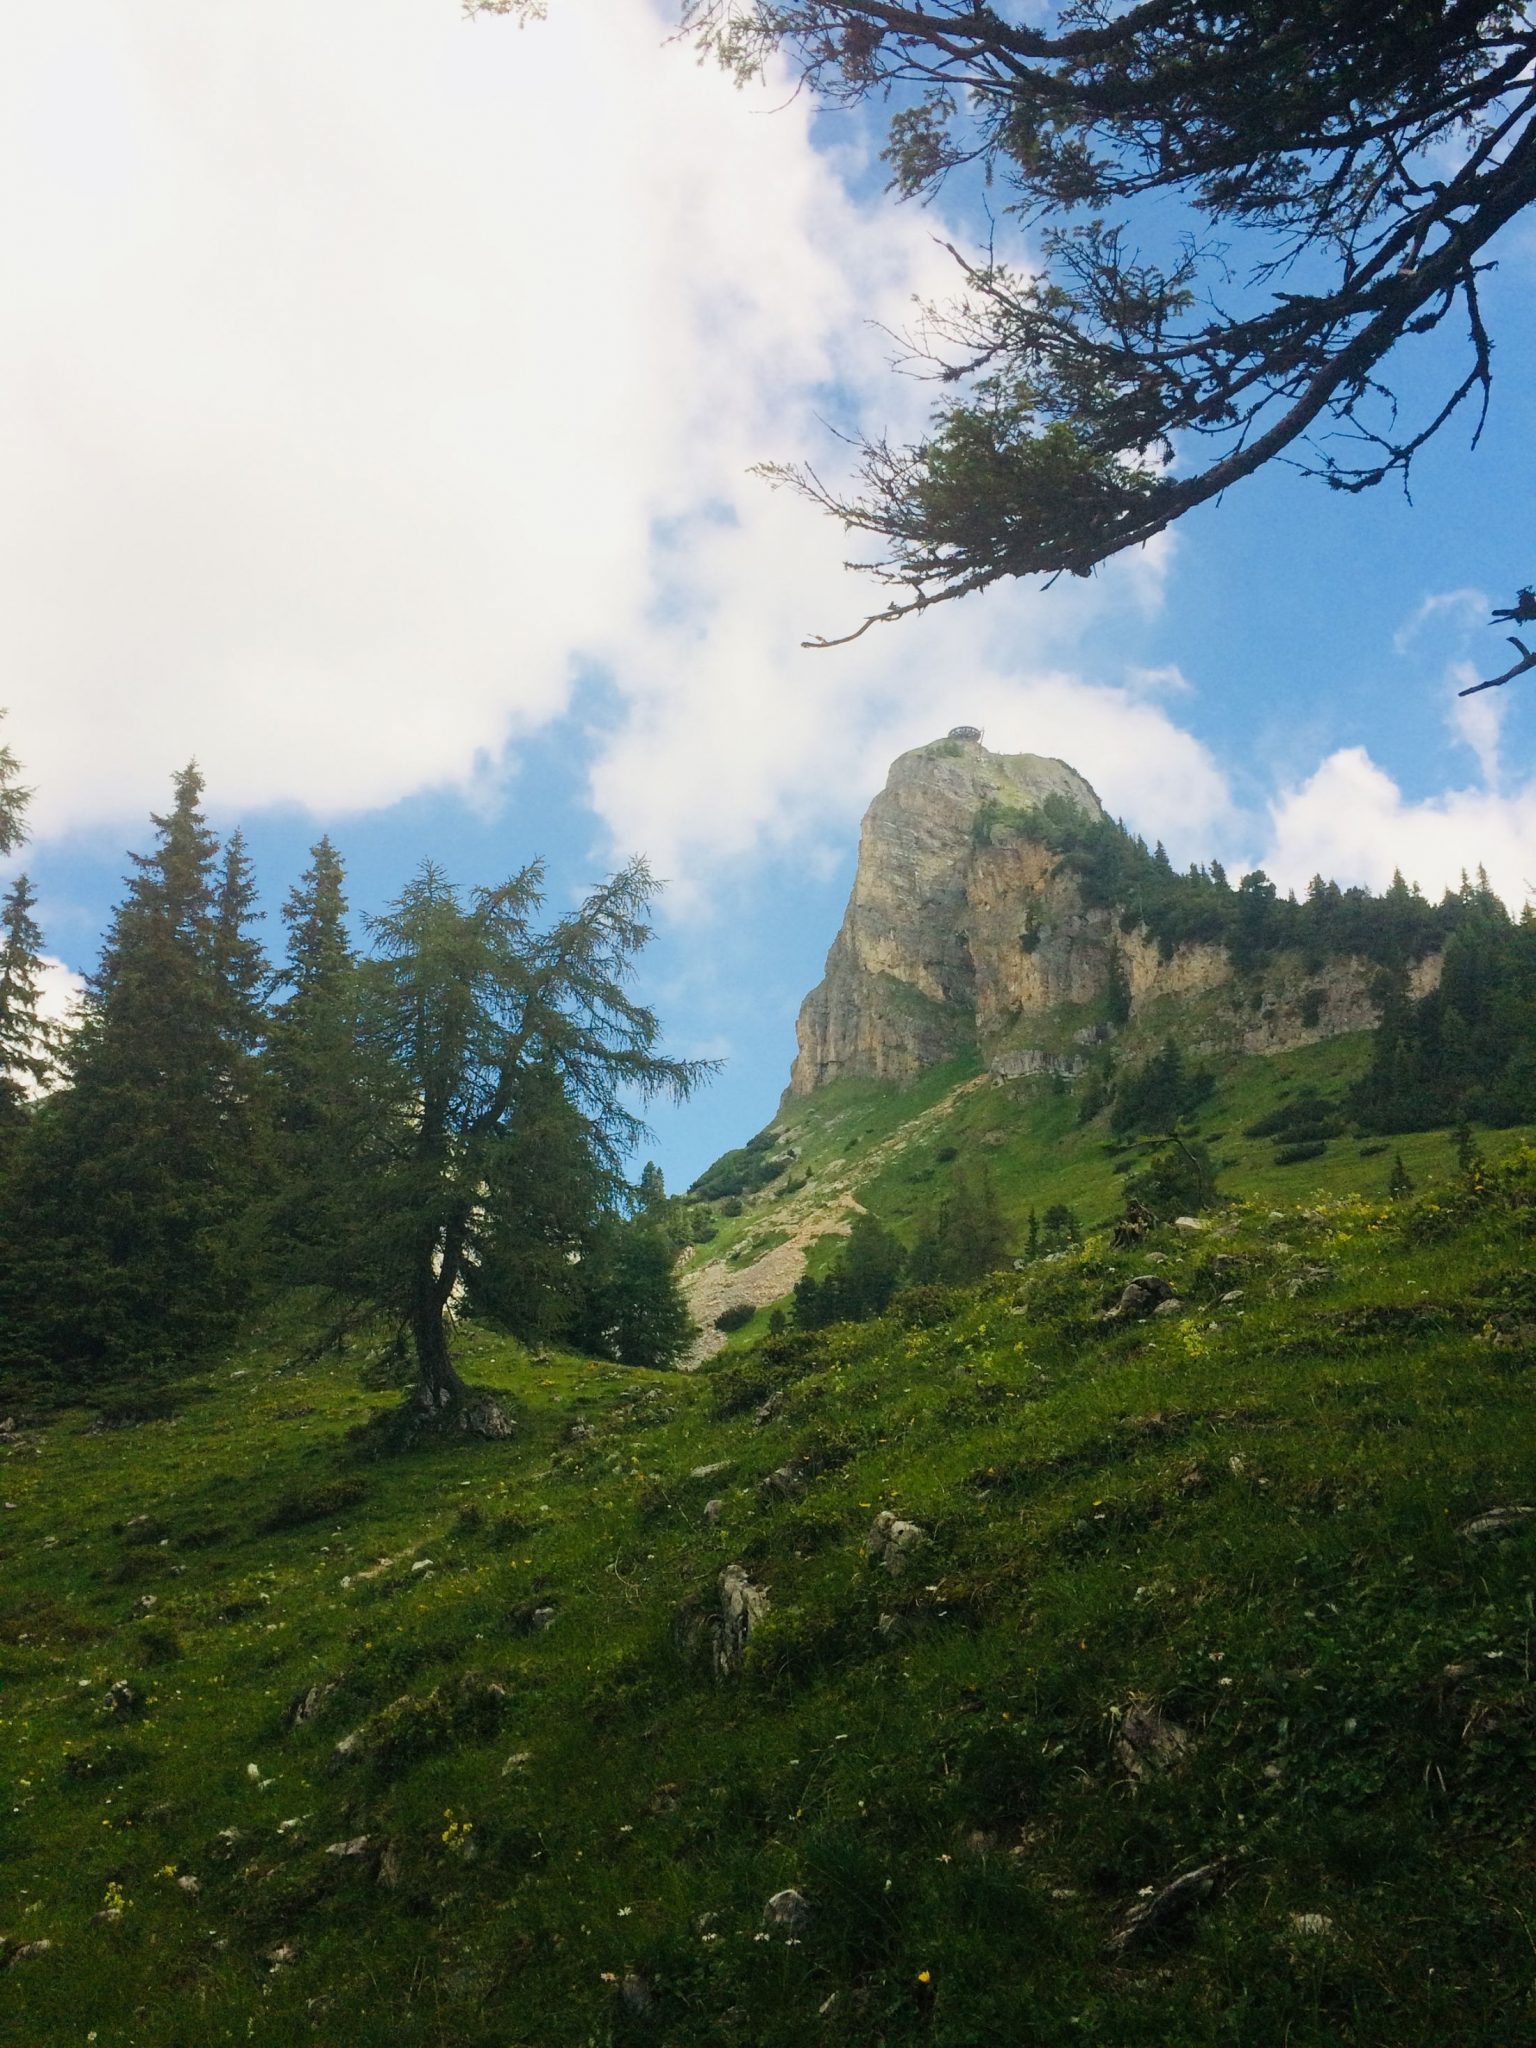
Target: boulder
(1138, 1298)
(789, 1912)
(894, 1543)
(726, 1628)
(1146, 1744)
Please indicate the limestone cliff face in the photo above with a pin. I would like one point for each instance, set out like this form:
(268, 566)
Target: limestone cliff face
(900, 986)
(950, 942)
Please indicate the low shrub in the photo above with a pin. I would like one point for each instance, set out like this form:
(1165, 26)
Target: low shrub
(1292, 1155)
(319, 1503)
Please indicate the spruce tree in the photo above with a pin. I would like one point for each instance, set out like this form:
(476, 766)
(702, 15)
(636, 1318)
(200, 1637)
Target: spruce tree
(238, 959)
(14, 799)
(330, 1117)
(137, 1177)
(26, 1044)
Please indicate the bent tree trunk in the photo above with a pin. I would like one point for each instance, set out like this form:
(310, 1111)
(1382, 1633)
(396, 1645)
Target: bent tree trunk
(441, 1400)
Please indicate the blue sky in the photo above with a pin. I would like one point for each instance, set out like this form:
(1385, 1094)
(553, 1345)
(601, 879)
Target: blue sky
(380, 392)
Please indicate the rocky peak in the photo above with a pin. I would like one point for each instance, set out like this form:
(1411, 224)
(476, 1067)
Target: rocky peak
(901, 979)
(964, 931)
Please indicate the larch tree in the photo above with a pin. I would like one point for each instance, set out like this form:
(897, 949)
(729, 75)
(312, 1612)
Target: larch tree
(472, 1005)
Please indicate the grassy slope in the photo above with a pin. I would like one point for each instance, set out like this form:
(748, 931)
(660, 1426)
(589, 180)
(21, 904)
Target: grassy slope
(886, 1144)
(1247, 1515)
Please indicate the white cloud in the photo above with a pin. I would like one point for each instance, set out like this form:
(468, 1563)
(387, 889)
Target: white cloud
(1478, 722)
(353, 359)
(1351, 821)
(59, 991)
(365, 374)
(1462, 607)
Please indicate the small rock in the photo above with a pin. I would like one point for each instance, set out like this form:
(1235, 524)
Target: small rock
(21, 1951)
(1232, 1294)
(786, 1483)
(789, 1911)
(894, 1543)
(121, 1698)
(422, 1564)
(1495, 1522)
(145, 1604)
(742, 1606)
(189, 1885)
(1306, 1278)
(770, 1408)
(282, 1956)
(1145, 1744)
(358, 1846)
(1312, 1926)
(308, 1704)
(1171, 1307)
(347, 1750)
(1139, 1297)
(542, 1617)
(709, 1471)
(713, 1510)
(1191, 1226)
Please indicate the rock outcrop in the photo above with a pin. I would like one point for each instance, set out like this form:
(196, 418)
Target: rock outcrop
(963, 931)
(901, 986)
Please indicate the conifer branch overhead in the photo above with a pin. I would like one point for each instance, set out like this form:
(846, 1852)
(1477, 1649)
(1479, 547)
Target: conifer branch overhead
(1340, 176)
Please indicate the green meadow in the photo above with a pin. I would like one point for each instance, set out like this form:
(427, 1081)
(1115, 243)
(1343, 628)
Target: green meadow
(1196, 1709)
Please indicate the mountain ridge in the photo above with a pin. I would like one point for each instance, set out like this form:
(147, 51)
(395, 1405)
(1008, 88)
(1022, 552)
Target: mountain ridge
(965, 927)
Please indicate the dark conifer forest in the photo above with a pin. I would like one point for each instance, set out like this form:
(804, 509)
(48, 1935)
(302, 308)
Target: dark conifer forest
(440, 1112)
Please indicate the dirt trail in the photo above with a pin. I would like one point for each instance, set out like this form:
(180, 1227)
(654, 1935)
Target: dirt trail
(712, 1285)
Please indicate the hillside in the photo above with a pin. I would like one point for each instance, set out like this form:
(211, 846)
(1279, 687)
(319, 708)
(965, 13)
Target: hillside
(863, 1143)
(1010, 959)
(1158, 1680)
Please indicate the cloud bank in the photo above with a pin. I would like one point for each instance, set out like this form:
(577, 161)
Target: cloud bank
(368, 377)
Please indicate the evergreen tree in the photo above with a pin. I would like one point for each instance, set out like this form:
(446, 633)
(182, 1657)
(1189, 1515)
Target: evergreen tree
(1032, 1241)
(238, 959)
(26, 1043)
(329, 1103)
(967, 1238)
(1160, 1093)
(1178, 1180)
(14, 799)
(1059, 1227)
(538, 1269)
(1400, 1184)
(632, 1308)
(136, 1179)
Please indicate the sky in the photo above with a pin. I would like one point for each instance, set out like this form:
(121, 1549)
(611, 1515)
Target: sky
(380, 393)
